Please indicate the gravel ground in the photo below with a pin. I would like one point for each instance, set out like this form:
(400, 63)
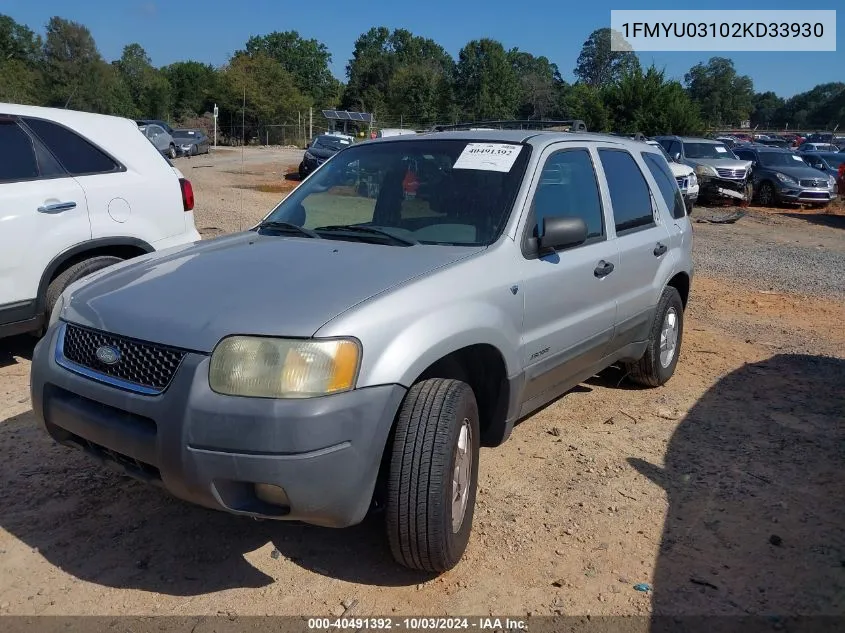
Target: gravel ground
(782, 251)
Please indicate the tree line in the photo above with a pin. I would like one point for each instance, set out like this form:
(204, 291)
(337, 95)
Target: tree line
(400, 77)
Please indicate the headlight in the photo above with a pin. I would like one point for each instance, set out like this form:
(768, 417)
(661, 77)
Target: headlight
(262, 367)
(706, 170)
(310, 156)
(693, 181)
(831, 181)
(786, 179)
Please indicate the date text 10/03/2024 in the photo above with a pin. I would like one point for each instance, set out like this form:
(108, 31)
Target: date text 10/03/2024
(416, 624)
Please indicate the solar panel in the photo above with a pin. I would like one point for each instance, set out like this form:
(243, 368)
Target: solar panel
(343, 115)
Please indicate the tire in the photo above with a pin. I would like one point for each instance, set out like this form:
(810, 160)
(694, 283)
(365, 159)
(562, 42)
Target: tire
(654, 369)
(766, 194)
(302, 173)
(74, 273)
(194, 150)
(434, 416)
(171, 151)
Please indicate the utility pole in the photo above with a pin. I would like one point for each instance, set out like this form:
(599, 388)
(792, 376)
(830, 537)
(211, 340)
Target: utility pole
(310, 124)
(216, 112)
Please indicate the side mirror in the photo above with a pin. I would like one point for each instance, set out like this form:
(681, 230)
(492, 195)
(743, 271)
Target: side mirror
(561, 232)
(676, 157)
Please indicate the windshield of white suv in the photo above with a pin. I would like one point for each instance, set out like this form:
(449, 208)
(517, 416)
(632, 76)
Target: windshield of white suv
(428, 191)
(707, 150)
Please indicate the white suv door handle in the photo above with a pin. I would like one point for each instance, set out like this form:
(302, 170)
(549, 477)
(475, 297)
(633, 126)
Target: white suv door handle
(57, 207)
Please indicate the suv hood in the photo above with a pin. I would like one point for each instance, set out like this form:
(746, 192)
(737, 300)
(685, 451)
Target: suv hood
(798, 172)
(246, 284)
(720, 163)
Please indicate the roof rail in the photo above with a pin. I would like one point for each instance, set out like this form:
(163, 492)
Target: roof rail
(568, 125)
(638, 136)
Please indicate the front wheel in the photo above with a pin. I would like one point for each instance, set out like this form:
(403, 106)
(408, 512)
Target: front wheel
(171, 151)
(433, 475)
(658, 363)
(766, 194)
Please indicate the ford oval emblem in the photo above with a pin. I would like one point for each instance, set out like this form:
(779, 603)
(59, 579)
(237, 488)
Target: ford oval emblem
(107, 354)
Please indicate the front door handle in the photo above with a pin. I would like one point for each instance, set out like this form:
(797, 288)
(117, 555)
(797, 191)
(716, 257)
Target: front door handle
(57, 207)
(660, 249)
(603, 269)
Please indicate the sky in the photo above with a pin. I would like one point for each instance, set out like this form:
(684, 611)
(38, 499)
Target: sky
(211, 31)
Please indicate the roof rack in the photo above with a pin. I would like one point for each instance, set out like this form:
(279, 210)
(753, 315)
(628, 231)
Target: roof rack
(568, 125)
(638, 136)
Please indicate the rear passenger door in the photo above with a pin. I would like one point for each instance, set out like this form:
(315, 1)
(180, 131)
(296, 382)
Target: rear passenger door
(43, 212)
(642, 239)
(569, 295)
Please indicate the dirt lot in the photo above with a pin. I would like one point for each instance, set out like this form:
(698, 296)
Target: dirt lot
(723, 489)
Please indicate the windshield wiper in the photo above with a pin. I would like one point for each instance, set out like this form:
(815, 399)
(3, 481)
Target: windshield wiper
(288, 226)
(407, 241)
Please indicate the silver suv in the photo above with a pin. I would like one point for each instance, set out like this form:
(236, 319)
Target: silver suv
(409, 302)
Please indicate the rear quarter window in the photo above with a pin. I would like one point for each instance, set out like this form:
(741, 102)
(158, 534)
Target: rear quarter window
(17, 157)
(76, 154)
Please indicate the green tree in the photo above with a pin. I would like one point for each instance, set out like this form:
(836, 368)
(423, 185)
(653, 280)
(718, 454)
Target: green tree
(820, 107)
(647, 102)
(194, 86)
(21, 73)
(767, 106)
(583, 101)
(486, 86)
(540, 84)
(724, 97)
(600, 65)
(148, 86)
(307, 60)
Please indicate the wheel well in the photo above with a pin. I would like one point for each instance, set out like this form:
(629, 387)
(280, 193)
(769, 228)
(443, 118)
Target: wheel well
(680, 282)
(123, 251)
(483, 368)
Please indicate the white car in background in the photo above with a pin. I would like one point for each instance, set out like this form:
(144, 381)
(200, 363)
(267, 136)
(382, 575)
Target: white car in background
(78, 192)
(684, 175)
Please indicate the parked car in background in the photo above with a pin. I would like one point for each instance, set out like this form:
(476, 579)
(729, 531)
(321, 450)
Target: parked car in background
(357, 347)
(162, 124)
(78, 192)
(684, 176)
(831, 163)
(781, 176)
(160, 138)
(774, 142)
(720, 173)
(321, 149)
(191, 142)
(817, 147)
(393, 132)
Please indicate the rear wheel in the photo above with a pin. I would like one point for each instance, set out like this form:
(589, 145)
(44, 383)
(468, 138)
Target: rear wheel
(433, 475)
(74, 273)
(664, 344)
(171, 151)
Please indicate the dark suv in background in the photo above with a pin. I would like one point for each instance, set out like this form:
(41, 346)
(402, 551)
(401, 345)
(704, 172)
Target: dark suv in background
(783, 176)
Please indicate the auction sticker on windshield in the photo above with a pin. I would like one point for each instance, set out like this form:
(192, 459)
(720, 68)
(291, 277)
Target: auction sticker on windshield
(488, 157)
(721, 150)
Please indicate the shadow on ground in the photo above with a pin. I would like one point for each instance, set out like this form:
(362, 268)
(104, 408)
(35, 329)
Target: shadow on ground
(20, 346)
(103, 527)
(754, 478)
(823, 219)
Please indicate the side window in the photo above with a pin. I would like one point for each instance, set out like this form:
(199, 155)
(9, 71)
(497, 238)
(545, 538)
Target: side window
(662, 174)
(77, 155)
(568, 187)
(666, 143)
(744, 154)
(17, 159)
(675, 148)
(629, 193)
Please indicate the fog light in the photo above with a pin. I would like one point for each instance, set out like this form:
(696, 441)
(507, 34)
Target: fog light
(274, 495)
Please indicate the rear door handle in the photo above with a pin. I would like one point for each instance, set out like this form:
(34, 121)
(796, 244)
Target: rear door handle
(660, 249)
(57, 207)
(603, 269)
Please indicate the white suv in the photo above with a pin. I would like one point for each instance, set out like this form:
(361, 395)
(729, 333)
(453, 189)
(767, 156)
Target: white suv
(78, 192)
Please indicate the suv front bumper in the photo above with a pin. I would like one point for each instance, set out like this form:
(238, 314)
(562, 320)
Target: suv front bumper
(212, 450)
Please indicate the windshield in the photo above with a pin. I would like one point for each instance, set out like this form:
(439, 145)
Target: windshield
(835, 160)
(185, 134)
(781, 159)
(432, 191)
(662, 151)
(707, 150)
(332, 143)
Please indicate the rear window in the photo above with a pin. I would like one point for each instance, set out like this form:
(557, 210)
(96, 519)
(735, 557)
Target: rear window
(76, 154)
(17, 159)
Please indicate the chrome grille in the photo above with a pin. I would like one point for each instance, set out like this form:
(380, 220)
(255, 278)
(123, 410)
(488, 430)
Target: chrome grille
(734, 174)
(682, 182)
(813, 182)
(145, 364)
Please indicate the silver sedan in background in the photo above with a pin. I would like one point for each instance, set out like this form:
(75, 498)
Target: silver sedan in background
(191, 142)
